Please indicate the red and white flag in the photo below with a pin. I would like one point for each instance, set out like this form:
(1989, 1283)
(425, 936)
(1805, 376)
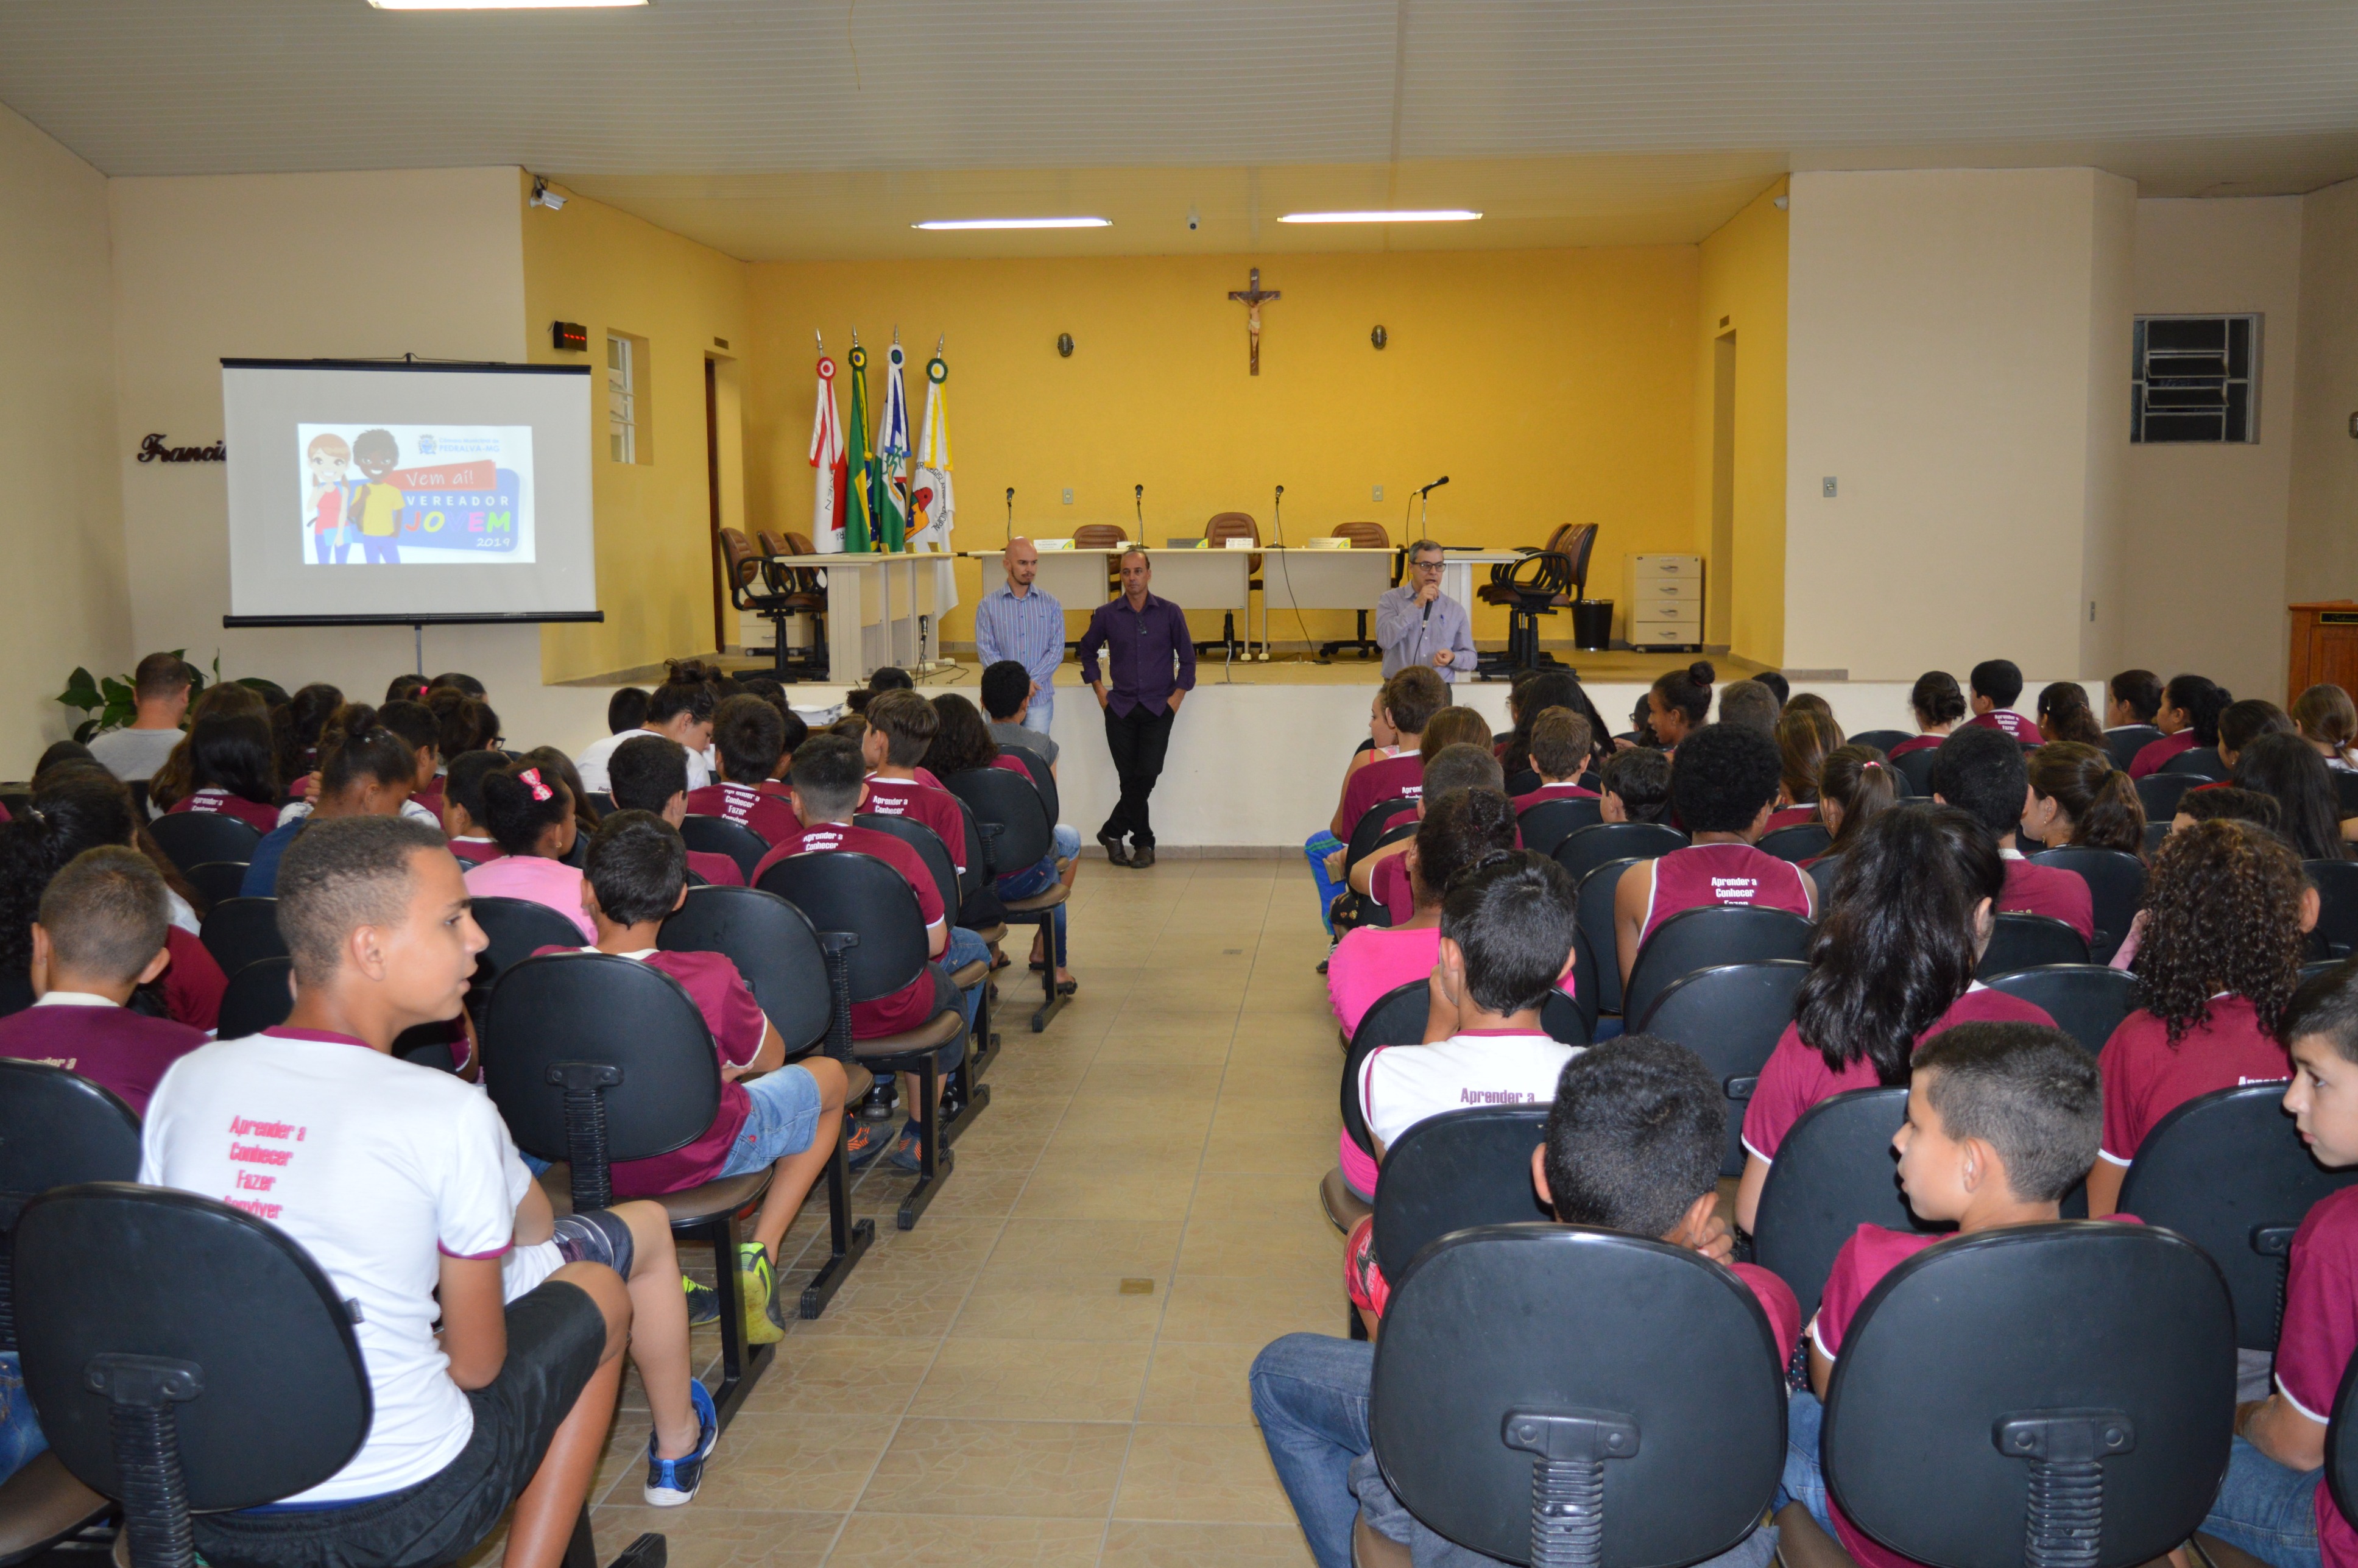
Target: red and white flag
(828, 457)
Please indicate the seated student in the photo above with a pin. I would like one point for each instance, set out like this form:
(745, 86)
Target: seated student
(2064, 715)
(2188, 717)
(827, 781)
(231, 770)
(786, 1116)
(406, 687)
(460, 681)
(965, 742)
(100, 937)
(1891, 965)
(2213, 803)
(1996, 686)
(2002, 1121)
(2078, 798)
(1676, 702)
(468, 723)
(626, 710)
(2328, 720)
(2287, 770)
(1642, 730)
(1805, 737)
(1382, 873)
(2131, 699)
(531, 818)
(2216, 965)
(1394, 770)
(1724, 784)
(296, 727)
(1778, 687)
(2243, 722)
(556, 765)
(1006, 691)
(1992, 783)
(1939, 707)
(1559, 752)
(901, 727)
(369, 773)
(406, 1190)
(422, 733)
(462, 806)
(1535, 692)
(677, 710)
(647, 773)
(159, 699)
(1855, 784)
(1631, 1144)
(750, 739)
(1751, 703)
(1635, 785)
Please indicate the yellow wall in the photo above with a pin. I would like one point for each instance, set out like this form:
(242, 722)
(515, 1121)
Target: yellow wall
(1552, 386)
(611, 272)
(1743, 291)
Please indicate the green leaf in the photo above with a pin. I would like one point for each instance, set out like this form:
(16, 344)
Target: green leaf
(82, 690)
(84, 730)
(116, 691)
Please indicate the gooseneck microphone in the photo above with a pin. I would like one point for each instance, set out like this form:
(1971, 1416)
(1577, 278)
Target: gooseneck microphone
(1138, 502)
(1010, 517)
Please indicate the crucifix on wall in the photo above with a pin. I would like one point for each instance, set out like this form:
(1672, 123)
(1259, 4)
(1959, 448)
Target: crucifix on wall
(1252, 298)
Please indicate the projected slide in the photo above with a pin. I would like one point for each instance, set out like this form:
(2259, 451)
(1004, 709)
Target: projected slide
(392, 494)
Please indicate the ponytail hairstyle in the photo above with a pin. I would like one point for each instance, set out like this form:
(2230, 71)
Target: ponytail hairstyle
(2064, 715)
(1898, 943)
(2225, 899)
(1936, 698)
(295, 728)
(467, 723)
(2241, 723)
(521, 803)
(366, 752)
(233, 753)
(2328, 718)
(1455, 834)
(1804, 739)
(2287, 770)
(1534, 694)
(1861, 783)
(2100, 800)
(549, 760)
(406, 688)
(2201, 700)
(1688, 691)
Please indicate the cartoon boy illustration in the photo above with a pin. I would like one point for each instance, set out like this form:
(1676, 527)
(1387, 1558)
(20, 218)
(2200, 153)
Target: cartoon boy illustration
(327, 456)
(378, 505)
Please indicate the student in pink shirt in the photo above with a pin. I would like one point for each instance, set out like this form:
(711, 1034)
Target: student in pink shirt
(1891, 965)
(1558, 753)
(2002, 1119)
(2217, 965)
(531, 818)
(1984, 773)
(2188, 716)
(1997, 687)
(1939, 707)
(649, 773)
(1460, 764)
(231, 763)
(750, 738)
(1724, 785)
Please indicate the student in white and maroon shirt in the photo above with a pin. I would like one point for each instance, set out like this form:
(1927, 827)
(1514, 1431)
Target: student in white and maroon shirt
(231, 764)
(748, 736)
(462, 806)
(649, 773)
(1996, 686)
(900, 726)
(1982, 773)
(1559, 752)
(1939, 707)
(1891, 965)
(1392, 768)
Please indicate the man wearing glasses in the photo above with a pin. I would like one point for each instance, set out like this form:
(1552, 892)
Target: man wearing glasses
(1416, 623)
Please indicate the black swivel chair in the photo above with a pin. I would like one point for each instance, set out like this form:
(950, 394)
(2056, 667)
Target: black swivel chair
(2159, 794)
(2203, 761)
(517, 928)
(1705, 938)
(1802, 841)
(2029, 941)
(216, 881)
(874, 943)
(2096, 1442)
(1549, 823)
(2227, 1172)
(1834, 1173)
(778, 953)
(1019, 832)
(718, 835)
(1454, 1172)
(2345, 790)
(1370, 830)
(2336, 881)
(2154, 832)
(1588, 848)
(2115, 887)
(257, 997)
(241, 931)
(964, 1097)
(1653, 1434)
(1881, 739)
(1916, 767)
(591, 1059)
(1731, 1016)
(1592, 920)
(2123, 744)
(1044, 778)
(193, 838)
(1823, 873)
(1587, 978)
(2087, 1002)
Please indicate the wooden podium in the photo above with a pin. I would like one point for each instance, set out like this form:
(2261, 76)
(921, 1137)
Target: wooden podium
(2324, 646)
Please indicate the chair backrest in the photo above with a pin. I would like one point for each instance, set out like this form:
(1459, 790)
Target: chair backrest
(929, 847)
(2115, 887)
(1097, 535)
(2087, 1002)
(1561, 1018)
(773, 946)
(2203, 761)
(2159, 793)
(718, 835)
(1588, 985)
(1823, 873)
(1730, 1015)
(775, 576)
(240, 931)
(1586, 849)
(2228, 1172)
(2154, 832)
(1454, 1172)
(1223, 526)
(258, 997)
(1834, 1172)
(517, 928)
(1364, 536)
(1044, 779)
(1993, 1448)
(56, 1128)
(1026, 831)
(742, 567)
(1916, 767)
(1576, 547)
(1881, 739)
(1591, 919)
(2345, 790)
(1581, 1335)
(1549, 823)
(861, 897)
(2125, 743)
(1395, 1018)
(192, 838)
(216, 881)
(1371, 828)
(1802, 841)
(1705, 938)
(1523, 783)
(2026, 941)
(2336, 881)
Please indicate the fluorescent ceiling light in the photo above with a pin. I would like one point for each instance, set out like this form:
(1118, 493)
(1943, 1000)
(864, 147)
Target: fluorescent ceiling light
(1015, 223)
(1432, 215)
(497, 4)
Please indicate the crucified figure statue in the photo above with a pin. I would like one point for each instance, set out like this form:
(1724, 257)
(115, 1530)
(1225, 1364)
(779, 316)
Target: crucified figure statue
(1251, 299)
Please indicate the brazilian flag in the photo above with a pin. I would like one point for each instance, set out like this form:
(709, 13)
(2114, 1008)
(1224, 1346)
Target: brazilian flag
(857, 524)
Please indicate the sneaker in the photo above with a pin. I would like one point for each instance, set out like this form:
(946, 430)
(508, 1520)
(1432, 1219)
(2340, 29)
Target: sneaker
(866, 1142)
(762, 1324)
(905, 1149)
(672, 1482)
(703, 1301)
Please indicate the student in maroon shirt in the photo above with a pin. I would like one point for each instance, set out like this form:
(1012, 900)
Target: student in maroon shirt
(1403, 707)
(99, 938)
(1997, 687)
(1804, 738)
(2216, 966)
(2188, 717)
(231, 766)
(1558, 753)
(1891, 965)
(1939, 707)
(1856, 784)
(750, 738)
(900, 726)
(2001, 1122)
(1677, 703)
(1982, 773)
(649, 773)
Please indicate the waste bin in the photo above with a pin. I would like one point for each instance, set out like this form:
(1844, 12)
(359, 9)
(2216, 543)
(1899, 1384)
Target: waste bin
(1592, 625)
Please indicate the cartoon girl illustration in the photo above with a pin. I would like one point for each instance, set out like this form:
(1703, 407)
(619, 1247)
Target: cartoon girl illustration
(325, 499)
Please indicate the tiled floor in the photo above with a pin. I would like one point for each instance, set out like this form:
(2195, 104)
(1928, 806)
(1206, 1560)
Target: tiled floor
(1050, 1369)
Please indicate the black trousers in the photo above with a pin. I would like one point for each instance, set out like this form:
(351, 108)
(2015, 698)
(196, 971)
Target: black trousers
(1138, 741)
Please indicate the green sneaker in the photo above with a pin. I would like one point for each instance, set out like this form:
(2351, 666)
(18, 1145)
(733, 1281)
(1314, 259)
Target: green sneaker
(703, 1301)
(762, 1324)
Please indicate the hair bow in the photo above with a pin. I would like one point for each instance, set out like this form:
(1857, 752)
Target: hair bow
(531, 776)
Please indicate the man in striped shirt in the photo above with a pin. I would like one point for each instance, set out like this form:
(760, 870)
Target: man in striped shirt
(1026, 624)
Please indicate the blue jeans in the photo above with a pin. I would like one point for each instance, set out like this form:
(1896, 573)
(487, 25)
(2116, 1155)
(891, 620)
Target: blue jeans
(2268, 1509)
(1317, 846)
(1043, 712)
(1040, 876)
(20, 1432)
(966, 947)
(782, 1119)
(1805, 1479)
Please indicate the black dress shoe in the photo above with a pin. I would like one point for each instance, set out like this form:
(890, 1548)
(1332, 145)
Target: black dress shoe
(1143, 856)
(1114, 849)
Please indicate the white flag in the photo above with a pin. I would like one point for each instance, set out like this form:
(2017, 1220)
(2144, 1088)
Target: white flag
(931, 491)
(828, 456)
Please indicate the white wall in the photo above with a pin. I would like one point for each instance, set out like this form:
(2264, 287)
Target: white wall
(63, 601)
(2225, 506)
(1947, 331)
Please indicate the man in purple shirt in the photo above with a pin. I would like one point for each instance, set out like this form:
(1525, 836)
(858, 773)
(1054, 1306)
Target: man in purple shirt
(1153, 668)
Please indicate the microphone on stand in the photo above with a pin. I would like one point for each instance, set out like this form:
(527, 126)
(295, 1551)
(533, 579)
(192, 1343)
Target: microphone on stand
(1010, 539)
(1138, 500)
(1436, 484)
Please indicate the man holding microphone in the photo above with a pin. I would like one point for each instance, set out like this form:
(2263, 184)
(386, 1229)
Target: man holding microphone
(1416, 623)
(1145, 640)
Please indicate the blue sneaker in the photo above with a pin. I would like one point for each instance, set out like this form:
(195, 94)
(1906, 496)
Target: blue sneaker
(905, 1153)
(673, 1482)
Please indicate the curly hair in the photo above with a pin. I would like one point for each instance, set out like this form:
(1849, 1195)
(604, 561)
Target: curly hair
(2224, 903)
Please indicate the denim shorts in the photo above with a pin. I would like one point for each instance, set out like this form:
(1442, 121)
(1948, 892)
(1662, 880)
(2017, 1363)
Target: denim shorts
(782, 1119)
